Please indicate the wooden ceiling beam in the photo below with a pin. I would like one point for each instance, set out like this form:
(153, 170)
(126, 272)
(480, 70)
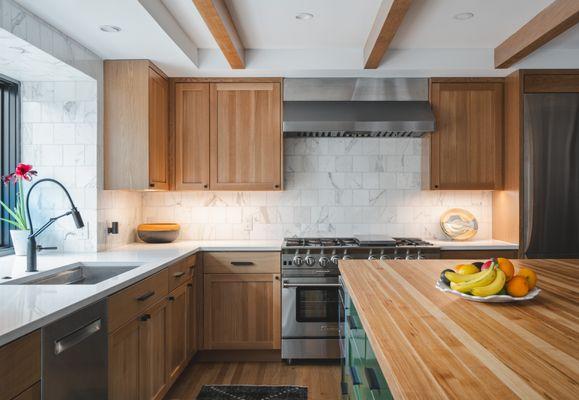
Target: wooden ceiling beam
(545, 26)
(220, 24)
(389, 18)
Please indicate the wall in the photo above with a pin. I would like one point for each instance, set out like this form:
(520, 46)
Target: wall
(333, 187)
(63, 128)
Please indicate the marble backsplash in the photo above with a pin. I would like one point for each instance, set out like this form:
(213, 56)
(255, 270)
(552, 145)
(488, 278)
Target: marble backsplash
(333, 187)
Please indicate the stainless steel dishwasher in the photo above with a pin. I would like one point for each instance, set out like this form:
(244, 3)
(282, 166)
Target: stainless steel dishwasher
(74, 355)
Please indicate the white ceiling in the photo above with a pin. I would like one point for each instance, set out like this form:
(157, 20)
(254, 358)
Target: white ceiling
(429, 41)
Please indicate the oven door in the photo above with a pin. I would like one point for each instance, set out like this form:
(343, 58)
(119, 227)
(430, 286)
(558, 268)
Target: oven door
(310, 307)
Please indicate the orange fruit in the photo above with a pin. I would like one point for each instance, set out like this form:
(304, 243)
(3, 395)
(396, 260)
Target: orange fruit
(529, 275)
(507, 266)
(518, 286)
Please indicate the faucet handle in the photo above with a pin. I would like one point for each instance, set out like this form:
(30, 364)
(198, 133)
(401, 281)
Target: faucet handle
(40, 248)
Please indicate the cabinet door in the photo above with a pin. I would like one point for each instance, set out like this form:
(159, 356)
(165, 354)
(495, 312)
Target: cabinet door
(192, 317)
(241, 311)
(153, 372)
(124, 362)
(177, 324)
(246, 138)
(466, 149)
(192, 136)
(158, 131)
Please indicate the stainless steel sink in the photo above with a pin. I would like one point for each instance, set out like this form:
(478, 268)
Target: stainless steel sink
(76, 274)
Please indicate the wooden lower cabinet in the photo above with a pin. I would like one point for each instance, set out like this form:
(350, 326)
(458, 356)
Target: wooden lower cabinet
(177, 329)
(20, 367)
(241, 311)
(137, 356)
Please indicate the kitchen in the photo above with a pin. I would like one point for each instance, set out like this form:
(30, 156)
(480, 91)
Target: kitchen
(314, 189)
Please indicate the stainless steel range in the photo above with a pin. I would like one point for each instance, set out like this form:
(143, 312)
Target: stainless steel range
(310, 282)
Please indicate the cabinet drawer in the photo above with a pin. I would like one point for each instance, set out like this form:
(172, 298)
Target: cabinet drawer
(241, 262)
(133, 300)
(19, 365)
(181, 271)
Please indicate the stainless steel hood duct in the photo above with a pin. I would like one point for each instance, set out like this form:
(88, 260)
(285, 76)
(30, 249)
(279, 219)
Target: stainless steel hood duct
(356, 107)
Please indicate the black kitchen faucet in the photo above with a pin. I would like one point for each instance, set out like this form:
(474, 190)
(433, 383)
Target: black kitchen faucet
(32, 247)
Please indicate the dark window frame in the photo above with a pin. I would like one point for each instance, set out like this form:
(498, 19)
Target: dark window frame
(10, 150)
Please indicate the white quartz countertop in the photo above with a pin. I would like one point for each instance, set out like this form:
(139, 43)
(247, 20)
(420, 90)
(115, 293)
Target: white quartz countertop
(474, 245)
(25, 308)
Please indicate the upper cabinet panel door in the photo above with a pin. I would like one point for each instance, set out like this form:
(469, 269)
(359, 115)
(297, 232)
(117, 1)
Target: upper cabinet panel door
(246, 138)
(192, 136)
(466, 149)
(158, 131)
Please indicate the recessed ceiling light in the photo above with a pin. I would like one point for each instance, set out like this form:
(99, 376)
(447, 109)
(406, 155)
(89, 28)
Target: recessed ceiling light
(463, 16)
(110, 28)
(304, 16)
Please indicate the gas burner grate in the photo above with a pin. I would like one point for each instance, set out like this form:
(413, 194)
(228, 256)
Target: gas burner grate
(400, 242)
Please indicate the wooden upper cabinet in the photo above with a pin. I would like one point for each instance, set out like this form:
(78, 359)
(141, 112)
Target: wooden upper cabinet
(191, 136)
(158, 131)
(136, 126)
(465, 151)
(246, 136)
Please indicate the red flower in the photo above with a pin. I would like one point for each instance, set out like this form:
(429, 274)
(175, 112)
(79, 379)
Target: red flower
(23, 171)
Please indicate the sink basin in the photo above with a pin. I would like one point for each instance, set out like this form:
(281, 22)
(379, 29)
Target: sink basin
(76, 274)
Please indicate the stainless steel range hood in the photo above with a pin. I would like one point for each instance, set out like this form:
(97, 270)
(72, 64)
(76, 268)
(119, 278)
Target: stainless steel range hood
(360, 107)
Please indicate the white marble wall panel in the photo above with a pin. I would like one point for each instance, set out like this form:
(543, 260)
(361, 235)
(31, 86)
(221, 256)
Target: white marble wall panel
(333, 187)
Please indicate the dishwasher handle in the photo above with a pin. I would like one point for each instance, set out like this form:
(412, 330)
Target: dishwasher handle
(290, 285)
(77, 336)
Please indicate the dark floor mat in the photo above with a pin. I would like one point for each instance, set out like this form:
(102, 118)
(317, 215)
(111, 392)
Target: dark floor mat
(252, 392)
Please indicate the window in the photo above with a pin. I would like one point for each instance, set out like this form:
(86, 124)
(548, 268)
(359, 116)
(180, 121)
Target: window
(9, 147)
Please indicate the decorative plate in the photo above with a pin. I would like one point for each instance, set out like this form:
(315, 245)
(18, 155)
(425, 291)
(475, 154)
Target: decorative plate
(458, 224)
(503, 298)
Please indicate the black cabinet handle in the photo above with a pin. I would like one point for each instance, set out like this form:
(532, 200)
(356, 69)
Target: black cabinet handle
(145, 317)
(352, 323)
(171, 298)
(242, 263)
(276, 186)
(205, 186)
(373, 382)
(151, 185)
(145, 296)
(178, 274)
(344, 386)
(190, 285)
(355, 378)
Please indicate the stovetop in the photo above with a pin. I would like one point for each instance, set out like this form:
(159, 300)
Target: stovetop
(352, 242)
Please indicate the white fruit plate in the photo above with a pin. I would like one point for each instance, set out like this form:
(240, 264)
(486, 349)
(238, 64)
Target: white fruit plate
(503, 298)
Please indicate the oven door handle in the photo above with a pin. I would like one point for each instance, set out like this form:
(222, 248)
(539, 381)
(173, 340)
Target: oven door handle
(289, 285)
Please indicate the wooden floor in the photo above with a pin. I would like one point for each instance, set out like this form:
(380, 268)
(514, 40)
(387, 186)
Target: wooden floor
(322, 380)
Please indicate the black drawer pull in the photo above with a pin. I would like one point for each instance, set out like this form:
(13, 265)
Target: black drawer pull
(352, 323)
(344, 386)
(242, 263)
(189, 285)
(145, 296)
(373, 382)
(355, 378)
(145, 317)
(171, 298)
(178, 274)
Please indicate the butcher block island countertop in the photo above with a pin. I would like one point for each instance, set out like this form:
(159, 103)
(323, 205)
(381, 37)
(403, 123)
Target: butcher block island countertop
(435, 345)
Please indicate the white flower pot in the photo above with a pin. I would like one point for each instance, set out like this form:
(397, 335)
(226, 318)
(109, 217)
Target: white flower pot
(20, 241)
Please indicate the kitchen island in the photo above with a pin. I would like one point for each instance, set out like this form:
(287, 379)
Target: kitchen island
(430, 344)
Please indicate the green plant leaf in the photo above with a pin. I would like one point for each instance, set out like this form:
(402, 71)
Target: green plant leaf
(17, 225)
(12, 213)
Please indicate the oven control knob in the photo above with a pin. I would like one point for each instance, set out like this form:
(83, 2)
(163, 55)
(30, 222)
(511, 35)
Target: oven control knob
(347, 257)
(372, 258)
(310, 261)
(335, 259)
(384, 257)
(298, 261)
(323, 261)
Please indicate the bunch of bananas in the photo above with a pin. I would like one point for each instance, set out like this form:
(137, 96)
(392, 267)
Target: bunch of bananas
(484, 283)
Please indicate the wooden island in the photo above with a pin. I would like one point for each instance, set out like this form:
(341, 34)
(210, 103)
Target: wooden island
(430, 344)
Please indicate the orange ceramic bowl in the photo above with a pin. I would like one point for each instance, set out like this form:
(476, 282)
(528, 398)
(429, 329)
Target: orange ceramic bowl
(158, 233)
